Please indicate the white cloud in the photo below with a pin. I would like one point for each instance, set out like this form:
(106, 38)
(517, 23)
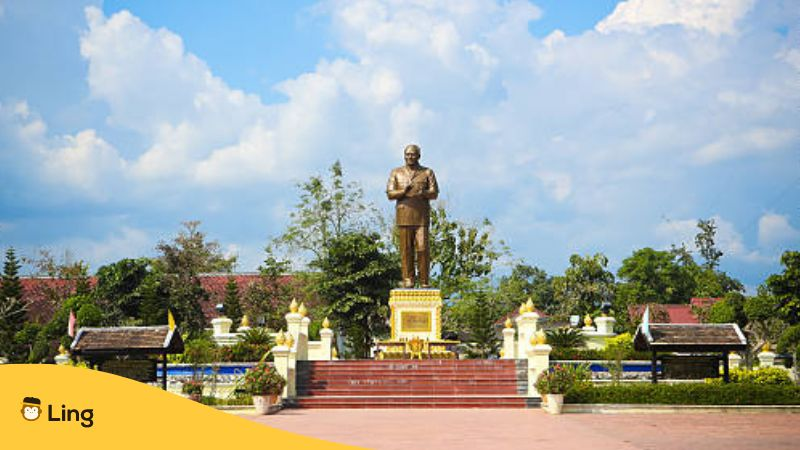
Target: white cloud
(775, 230)
(559, 185)
(124, 242)
(713, 16)
(727, 239)
(751, 142)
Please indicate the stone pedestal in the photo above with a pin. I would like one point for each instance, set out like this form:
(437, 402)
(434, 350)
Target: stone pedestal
(526, 327)
(222, 334)
(416, 313)
(605, 325)
(61, 360)
(538, 362)
(509, 349)
(293, 322)
(766, 359)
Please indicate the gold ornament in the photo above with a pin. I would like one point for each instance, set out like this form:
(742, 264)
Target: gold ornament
(765, 347)
(587, 320)
(326, 324)
(502, 353)
(522, 309)
(541, 338)
(529, 305)
(293, 307)
(280, 339)
(289, 340)
(334, 353)
(62, 350)
(302, 310)
(245, 321)
(508, 322)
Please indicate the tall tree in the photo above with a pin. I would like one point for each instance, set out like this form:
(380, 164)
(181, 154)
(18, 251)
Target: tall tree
(586, 284)
(12, 306)
(461, 254)
(118, 289)
(653, 276)
(357, 272)
(704, 240)
(526, 282)
(328, 208)
(786, 287)
(231, 304)
(182, 260)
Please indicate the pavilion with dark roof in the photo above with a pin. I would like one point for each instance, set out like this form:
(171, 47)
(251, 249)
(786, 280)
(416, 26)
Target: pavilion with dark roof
(719, 339)
(99, 345)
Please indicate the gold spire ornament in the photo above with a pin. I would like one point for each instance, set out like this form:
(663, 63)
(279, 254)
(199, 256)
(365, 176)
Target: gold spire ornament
(541, 337)
(587, 320)
(245, 321)
(302, 310)
(326, 324)
(280, 339)
(334, 353)
(62, 350)
(293, 307)
(529, 305)
(508, 322)
(522, 309)
(289, 340)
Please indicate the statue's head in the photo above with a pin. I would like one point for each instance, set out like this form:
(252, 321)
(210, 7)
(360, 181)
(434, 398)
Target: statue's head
(412, 155)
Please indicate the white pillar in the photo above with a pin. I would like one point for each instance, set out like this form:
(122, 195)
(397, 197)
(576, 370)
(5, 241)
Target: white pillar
(326, 338)
(734, 360)
(280, 354)
(293, 322)
(509, 347)
(538, 362)
(302, 339)
(526, 326)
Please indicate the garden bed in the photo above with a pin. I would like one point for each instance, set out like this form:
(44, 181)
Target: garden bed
(687, 394)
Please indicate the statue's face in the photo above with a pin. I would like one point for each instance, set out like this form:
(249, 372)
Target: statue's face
(411, 156)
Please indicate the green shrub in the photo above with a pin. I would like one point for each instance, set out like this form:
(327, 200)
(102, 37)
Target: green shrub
(561, 378)
(686, 394)
(576, 354)
(763, 376)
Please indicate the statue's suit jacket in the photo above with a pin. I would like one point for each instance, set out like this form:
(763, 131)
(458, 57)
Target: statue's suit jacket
(415, 210)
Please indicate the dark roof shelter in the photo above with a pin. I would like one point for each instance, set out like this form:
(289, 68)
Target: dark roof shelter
(690, 338)
(99, 344)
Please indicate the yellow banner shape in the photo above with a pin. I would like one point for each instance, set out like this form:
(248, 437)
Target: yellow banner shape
(63, 407)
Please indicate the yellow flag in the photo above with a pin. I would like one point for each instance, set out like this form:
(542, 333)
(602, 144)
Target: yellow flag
(170, 320)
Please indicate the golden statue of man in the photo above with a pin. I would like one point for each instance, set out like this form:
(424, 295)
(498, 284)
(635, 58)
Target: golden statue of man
(413, 186)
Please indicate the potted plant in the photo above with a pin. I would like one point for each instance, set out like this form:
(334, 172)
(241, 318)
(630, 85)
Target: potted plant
(194, 389)
(553, 383)
(265, 384)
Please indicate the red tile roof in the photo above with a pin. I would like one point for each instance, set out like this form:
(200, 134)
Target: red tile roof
(675, 313)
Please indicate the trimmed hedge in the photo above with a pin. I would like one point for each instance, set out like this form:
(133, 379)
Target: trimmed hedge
(686, 394)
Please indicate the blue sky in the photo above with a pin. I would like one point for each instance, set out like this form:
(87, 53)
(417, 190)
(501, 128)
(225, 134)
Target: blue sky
(575, 126)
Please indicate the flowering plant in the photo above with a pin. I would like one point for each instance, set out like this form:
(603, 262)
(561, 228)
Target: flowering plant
(559, 379)
(263, 379)
(192, 387)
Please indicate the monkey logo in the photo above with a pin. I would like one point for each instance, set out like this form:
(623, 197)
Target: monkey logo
(31, 408)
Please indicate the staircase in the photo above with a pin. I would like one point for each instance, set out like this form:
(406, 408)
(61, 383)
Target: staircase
(413, 384)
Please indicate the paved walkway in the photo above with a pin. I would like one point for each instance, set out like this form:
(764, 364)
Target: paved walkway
(468, 429)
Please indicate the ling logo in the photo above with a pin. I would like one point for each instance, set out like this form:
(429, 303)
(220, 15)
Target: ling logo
(32, 409)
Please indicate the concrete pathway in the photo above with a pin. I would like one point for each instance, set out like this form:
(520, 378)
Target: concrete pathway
(468, 429)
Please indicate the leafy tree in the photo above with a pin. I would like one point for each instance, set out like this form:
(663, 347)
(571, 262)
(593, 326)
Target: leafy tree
(182, 261)
(786, 287)
(118, 289)
(526, 282)
(729, 310)
(652, 276)
(328, 209)
(357, 273)
(233, 309)
(12, 307)
(482, 313)
(61, 278)
(586, 284)
(704, 240)
(460, 253)
(267, 299)
(763, 326)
